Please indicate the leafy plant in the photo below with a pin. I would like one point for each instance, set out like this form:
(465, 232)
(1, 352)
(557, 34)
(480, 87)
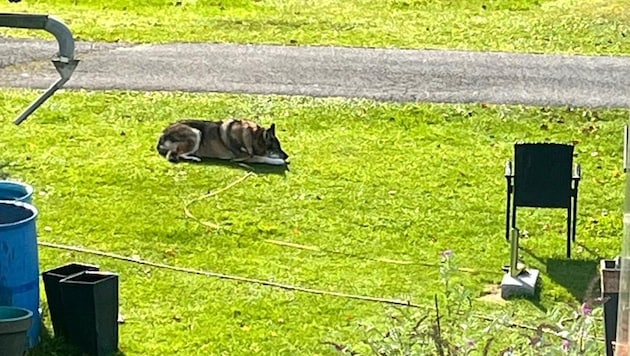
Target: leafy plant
(459, 331)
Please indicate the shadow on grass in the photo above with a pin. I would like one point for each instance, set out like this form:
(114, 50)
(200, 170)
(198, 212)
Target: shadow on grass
(579, 277)
(57, 346)
(50, 345)
(257, 168)
(3, 174)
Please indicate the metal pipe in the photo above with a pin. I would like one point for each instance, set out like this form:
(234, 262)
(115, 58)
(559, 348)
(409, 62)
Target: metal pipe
(64, 38)
(56, 27)
(47, 94)
(64, 63)
(62, 33)
(514, 271)
(626, 136)
(32, 21)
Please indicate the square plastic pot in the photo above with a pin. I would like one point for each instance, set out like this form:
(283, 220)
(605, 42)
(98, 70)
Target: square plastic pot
(609, 274)
(53, 292)
(90, 301)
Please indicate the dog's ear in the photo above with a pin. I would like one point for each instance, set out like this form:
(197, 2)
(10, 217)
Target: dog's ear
(272, 130)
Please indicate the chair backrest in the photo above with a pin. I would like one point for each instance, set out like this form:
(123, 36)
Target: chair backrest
(543, 174)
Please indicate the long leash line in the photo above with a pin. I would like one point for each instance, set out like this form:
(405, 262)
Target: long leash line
(229, 276)
(313, 248)
(398, 302)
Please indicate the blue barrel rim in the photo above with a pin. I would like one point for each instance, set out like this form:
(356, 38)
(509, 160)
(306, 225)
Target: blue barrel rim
(27, 187)
(26, 314)
(24, 205)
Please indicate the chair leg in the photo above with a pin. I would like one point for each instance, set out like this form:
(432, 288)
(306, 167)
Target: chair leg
(507, 216)
(569, 235)
(513, 224)
(574, 219)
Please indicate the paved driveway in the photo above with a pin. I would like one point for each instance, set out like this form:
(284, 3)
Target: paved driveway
(382, 74)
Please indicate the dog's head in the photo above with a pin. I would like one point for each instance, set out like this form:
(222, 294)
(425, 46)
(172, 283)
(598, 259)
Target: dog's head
(272, 144)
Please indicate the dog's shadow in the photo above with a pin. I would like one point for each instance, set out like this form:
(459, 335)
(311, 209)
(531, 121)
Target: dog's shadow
(257, 168)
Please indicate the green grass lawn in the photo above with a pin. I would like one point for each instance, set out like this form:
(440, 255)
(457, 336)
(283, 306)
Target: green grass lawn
(367, 180)
(569, 26)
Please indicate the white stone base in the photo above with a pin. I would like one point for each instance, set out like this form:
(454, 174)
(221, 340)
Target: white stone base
(522, 284)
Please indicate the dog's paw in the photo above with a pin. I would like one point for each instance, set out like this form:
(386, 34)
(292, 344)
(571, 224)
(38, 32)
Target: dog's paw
(190, 158)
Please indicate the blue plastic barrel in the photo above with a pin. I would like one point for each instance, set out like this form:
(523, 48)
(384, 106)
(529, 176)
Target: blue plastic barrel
(11, 190)
(19, 261)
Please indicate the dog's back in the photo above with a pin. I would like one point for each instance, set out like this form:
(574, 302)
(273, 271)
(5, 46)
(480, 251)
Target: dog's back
(212, 144)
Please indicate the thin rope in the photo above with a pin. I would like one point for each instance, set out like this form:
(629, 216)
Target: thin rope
(209, 195)
(313, 248)
(231, 277)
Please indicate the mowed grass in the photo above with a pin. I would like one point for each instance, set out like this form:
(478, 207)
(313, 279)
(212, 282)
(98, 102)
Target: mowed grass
(367, 180)
(567, 26)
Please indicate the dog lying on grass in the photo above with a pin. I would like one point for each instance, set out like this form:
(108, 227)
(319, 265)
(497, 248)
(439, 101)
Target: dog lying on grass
(235, 140)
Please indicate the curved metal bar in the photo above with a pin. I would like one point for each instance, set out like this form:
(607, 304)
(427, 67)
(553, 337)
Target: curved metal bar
(56, 27)
(65, 63)
(68, 67)
(64, 38)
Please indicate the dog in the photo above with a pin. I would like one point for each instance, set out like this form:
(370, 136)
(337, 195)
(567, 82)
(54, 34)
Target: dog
(235, 140)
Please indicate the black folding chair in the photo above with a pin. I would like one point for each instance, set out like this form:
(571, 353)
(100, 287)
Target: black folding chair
(543, 178)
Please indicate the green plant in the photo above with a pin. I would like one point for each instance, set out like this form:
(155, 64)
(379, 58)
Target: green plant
(460, 331)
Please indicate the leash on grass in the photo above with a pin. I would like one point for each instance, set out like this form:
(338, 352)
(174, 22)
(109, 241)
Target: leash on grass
(397, 302)
(209, 195)
(231, 277)
(313, 248)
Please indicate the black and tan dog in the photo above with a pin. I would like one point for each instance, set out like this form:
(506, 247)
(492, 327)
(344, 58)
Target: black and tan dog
(236, 140)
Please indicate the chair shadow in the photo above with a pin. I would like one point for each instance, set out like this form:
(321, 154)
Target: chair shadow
(579, 277)
(49, 345)
(257, 168)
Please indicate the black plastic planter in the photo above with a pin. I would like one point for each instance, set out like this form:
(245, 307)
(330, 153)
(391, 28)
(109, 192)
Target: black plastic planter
(90, 301)
(14, 324)
(609, 274)
(53, 293)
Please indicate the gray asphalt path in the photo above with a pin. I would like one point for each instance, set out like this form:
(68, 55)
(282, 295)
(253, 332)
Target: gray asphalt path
(382, 74)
